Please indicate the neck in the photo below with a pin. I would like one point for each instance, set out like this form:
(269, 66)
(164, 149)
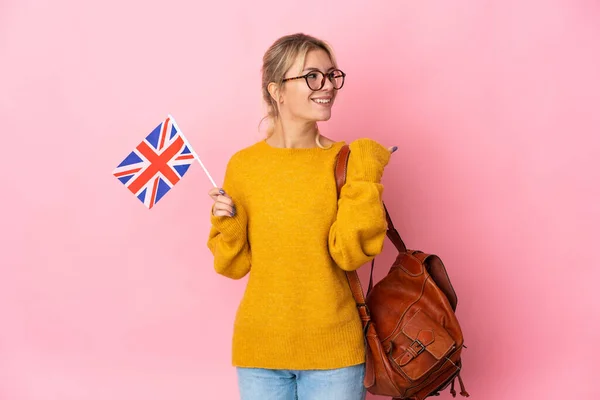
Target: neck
(292, 134)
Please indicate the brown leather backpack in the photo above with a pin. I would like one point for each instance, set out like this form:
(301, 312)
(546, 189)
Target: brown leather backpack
(413, 339)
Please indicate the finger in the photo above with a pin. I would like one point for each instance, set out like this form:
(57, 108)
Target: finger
(220, 209)
(392, 149)
(215, 192)
(224, 199)
(222, 213)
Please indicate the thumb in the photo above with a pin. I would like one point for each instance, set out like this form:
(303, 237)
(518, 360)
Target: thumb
(392, 149)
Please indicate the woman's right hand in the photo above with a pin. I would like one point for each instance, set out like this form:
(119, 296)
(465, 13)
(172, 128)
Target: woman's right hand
(223, 205)
(368, 158)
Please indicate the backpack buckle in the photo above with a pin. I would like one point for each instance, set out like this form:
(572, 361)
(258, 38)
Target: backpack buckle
(363, 305)
(418, 350)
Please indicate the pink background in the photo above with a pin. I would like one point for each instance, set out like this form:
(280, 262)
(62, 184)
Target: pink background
(494, 106)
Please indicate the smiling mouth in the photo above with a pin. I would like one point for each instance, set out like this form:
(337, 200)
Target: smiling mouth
(322, 101)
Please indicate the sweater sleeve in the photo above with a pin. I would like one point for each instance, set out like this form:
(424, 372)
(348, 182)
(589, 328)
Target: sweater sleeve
(359, 231)
(228, 236)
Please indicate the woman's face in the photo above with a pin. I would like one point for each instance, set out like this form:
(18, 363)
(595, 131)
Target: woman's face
(299, 101)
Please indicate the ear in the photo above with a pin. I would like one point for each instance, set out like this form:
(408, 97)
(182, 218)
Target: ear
(275, 92)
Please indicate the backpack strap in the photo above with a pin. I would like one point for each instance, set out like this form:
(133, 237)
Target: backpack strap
(392, 233)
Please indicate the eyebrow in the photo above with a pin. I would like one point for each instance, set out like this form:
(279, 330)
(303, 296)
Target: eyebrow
(316, 69)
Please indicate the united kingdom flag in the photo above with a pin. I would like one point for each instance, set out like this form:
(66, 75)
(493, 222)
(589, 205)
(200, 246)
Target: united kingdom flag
(156, 164)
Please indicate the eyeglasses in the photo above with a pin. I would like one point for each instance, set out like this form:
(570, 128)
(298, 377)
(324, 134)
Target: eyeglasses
(316, 79)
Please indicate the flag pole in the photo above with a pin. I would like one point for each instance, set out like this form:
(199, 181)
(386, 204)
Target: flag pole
(192, 150)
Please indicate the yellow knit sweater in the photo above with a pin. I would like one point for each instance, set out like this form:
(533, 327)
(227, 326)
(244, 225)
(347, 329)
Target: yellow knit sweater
(296, 240)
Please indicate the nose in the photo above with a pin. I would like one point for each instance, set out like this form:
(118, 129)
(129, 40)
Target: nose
(328, 85)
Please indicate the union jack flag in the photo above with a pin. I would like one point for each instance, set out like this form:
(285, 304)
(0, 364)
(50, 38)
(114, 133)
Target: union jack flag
(156, 164)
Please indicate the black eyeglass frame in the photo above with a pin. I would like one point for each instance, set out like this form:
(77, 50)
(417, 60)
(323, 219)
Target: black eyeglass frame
(325, 76)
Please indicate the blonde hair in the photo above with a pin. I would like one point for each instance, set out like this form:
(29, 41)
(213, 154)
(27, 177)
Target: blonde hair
(278, 59)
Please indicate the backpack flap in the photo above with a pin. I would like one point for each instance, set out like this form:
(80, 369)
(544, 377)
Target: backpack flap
(437, 270)
(421, 346)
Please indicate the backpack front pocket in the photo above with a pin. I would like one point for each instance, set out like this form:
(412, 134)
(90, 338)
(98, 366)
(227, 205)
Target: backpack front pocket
(420, 346)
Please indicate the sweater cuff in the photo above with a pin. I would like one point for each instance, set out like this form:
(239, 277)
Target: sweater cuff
(232, 227)
(367, 160)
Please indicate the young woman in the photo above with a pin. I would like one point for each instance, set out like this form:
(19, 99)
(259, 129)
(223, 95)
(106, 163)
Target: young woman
(297, 334)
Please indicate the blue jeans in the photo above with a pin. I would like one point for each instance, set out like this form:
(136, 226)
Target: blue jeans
(279, 384)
